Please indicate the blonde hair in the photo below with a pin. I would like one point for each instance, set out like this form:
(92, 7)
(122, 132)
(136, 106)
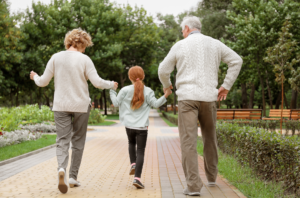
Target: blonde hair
(78, 38)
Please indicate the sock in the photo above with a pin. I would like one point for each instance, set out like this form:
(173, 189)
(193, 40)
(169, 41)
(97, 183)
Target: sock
(132, 164)
(137, 178)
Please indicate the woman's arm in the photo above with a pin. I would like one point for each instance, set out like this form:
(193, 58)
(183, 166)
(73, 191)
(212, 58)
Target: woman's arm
(95, 79)
(43, 81)
(117, 98)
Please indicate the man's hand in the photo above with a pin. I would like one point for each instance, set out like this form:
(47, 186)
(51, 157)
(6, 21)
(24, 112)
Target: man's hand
(165, 89)
(222, 93)
(168, 92)
(32, 74)
(115, 86)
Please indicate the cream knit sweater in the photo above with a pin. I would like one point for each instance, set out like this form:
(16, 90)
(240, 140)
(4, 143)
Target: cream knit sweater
(71, 70)
(197, 59)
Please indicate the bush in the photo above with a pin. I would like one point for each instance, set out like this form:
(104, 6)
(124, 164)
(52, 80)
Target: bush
(96, 117)
(16, 137)
(171, 117)
(273, 156)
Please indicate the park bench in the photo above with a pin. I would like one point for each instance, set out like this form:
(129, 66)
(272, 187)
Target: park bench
(231, 114)
(275, 114)
(295, 114)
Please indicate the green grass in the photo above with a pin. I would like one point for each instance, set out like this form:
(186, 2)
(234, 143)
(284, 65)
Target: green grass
(105, 123)
(11, 151)
(167, 121)
(243, 178)
(112, 117)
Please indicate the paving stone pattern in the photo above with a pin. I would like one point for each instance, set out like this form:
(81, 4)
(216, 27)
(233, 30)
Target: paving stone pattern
(105, 169)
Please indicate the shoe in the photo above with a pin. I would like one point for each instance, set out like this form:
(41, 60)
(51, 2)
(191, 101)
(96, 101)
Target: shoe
(187, 192)
(138, 184)
(73, 183)
(211, 184)
(132, 170)
(62, 181)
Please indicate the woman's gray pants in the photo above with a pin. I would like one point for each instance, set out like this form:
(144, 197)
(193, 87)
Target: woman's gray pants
(70, 127)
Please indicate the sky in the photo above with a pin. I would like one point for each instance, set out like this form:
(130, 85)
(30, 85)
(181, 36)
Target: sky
(153, 7)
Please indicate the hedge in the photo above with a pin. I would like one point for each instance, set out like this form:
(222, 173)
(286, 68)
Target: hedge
(273, 156)
(172, 118)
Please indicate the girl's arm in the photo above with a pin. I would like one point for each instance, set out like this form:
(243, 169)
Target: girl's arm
(153, 102)
(117, 98)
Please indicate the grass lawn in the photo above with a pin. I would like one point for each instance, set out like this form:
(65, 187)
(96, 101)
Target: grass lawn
(243, 178)
(105, 123)
(112, 117)
(167, 121)
(11, 151)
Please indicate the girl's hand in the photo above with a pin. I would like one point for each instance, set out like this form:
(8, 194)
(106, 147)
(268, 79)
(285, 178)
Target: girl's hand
(168, 92)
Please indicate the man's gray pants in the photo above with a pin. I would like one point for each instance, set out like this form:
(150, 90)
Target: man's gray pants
(206, 112)
(70, 127)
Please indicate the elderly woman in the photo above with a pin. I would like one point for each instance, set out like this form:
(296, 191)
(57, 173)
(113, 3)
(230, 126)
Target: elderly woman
(71, 69)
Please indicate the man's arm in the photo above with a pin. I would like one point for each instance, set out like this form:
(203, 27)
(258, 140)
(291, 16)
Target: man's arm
(167, 67)
(43, 81)
(234, 62)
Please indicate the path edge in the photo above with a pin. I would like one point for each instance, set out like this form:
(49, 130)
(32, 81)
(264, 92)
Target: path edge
(26, 155)
(237, 191)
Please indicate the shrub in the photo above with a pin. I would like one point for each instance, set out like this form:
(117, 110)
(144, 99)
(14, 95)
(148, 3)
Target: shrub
(96, 117)
(171, 117)
(18, 136)
(271, 155)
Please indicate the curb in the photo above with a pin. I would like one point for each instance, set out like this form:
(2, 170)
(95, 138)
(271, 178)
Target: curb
(239, 193)
(26, 155)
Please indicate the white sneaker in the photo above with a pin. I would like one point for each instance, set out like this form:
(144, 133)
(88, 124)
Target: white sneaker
(211, 184)
(62, 181)
(187, 192)
(73, 183)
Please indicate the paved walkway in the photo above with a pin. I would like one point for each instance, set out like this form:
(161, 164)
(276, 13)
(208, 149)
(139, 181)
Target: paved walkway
(105, 169)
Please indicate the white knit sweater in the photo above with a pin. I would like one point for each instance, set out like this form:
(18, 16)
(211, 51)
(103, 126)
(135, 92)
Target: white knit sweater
(71, 70)
(197, 59)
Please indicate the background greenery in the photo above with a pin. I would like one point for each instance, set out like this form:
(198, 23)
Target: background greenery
(125, 36)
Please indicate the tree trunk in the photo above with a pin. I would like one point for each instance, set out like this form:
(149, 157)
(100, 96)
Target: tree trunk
(105, 105)
(95, 102)
(12, 98)
(282, 91)
(40, 98)
(262, 92)
(278, 101)
(101, 101)
(285, 102)
(269, 91)
(17, 98)
(244, 96)
(294, 99)
(122, 79)
(252, 96)
(47, 100)
(31, 101)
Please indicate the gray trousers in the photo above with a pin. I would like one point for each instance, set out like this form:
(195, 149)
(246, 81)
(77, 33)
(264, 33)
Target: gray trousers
(71, 127)
(188, 113)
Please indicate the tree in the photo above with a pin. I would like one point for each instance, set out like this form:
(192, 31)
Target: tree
(280, 57)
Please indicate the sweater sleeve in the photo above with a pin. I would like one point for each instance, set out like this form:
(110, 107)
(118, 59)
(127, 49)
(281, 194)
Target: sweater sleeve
(117, 98)
(43, 81)
(234, 62)
(95, 79)
(167, 67)
(153, 102)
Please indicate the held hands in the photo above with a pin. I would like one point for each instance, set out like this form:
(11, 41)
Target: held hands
(168, 91)
(222, 93)
(115, 86)
(32, 74)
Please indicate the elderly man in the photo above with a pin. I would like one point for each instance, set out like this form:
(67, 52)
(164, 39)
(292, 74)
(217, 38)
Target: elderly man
(197, 59)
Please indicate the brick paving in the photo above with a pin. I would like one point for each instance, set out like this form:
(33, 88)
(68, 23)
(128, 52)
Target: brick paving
(105, 169)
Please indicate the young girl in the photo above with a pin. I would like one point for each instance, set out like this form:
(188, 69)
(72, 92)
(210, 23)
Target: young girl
(134, 102)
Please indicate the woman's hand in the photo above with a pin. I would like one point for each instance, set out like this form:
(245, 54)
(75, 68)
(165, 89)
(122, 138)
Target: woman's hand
(168, 92)
(115, 86)
(32, 74)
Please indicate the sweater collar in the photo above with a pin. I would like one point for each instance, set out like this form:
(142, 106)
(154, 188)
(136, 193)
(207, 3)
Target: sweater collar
(194, 32)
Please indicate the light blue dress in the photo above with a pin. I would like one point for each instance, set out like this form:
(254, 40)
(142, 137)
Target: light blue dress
(138, 117)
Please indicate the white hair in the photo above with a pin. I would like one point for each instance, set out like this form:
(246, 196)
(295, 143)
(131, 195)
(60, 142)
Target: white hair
(192, 22)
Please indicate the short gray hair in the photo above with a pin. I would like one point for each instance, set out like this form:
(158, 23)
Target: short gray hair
(192, 22)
